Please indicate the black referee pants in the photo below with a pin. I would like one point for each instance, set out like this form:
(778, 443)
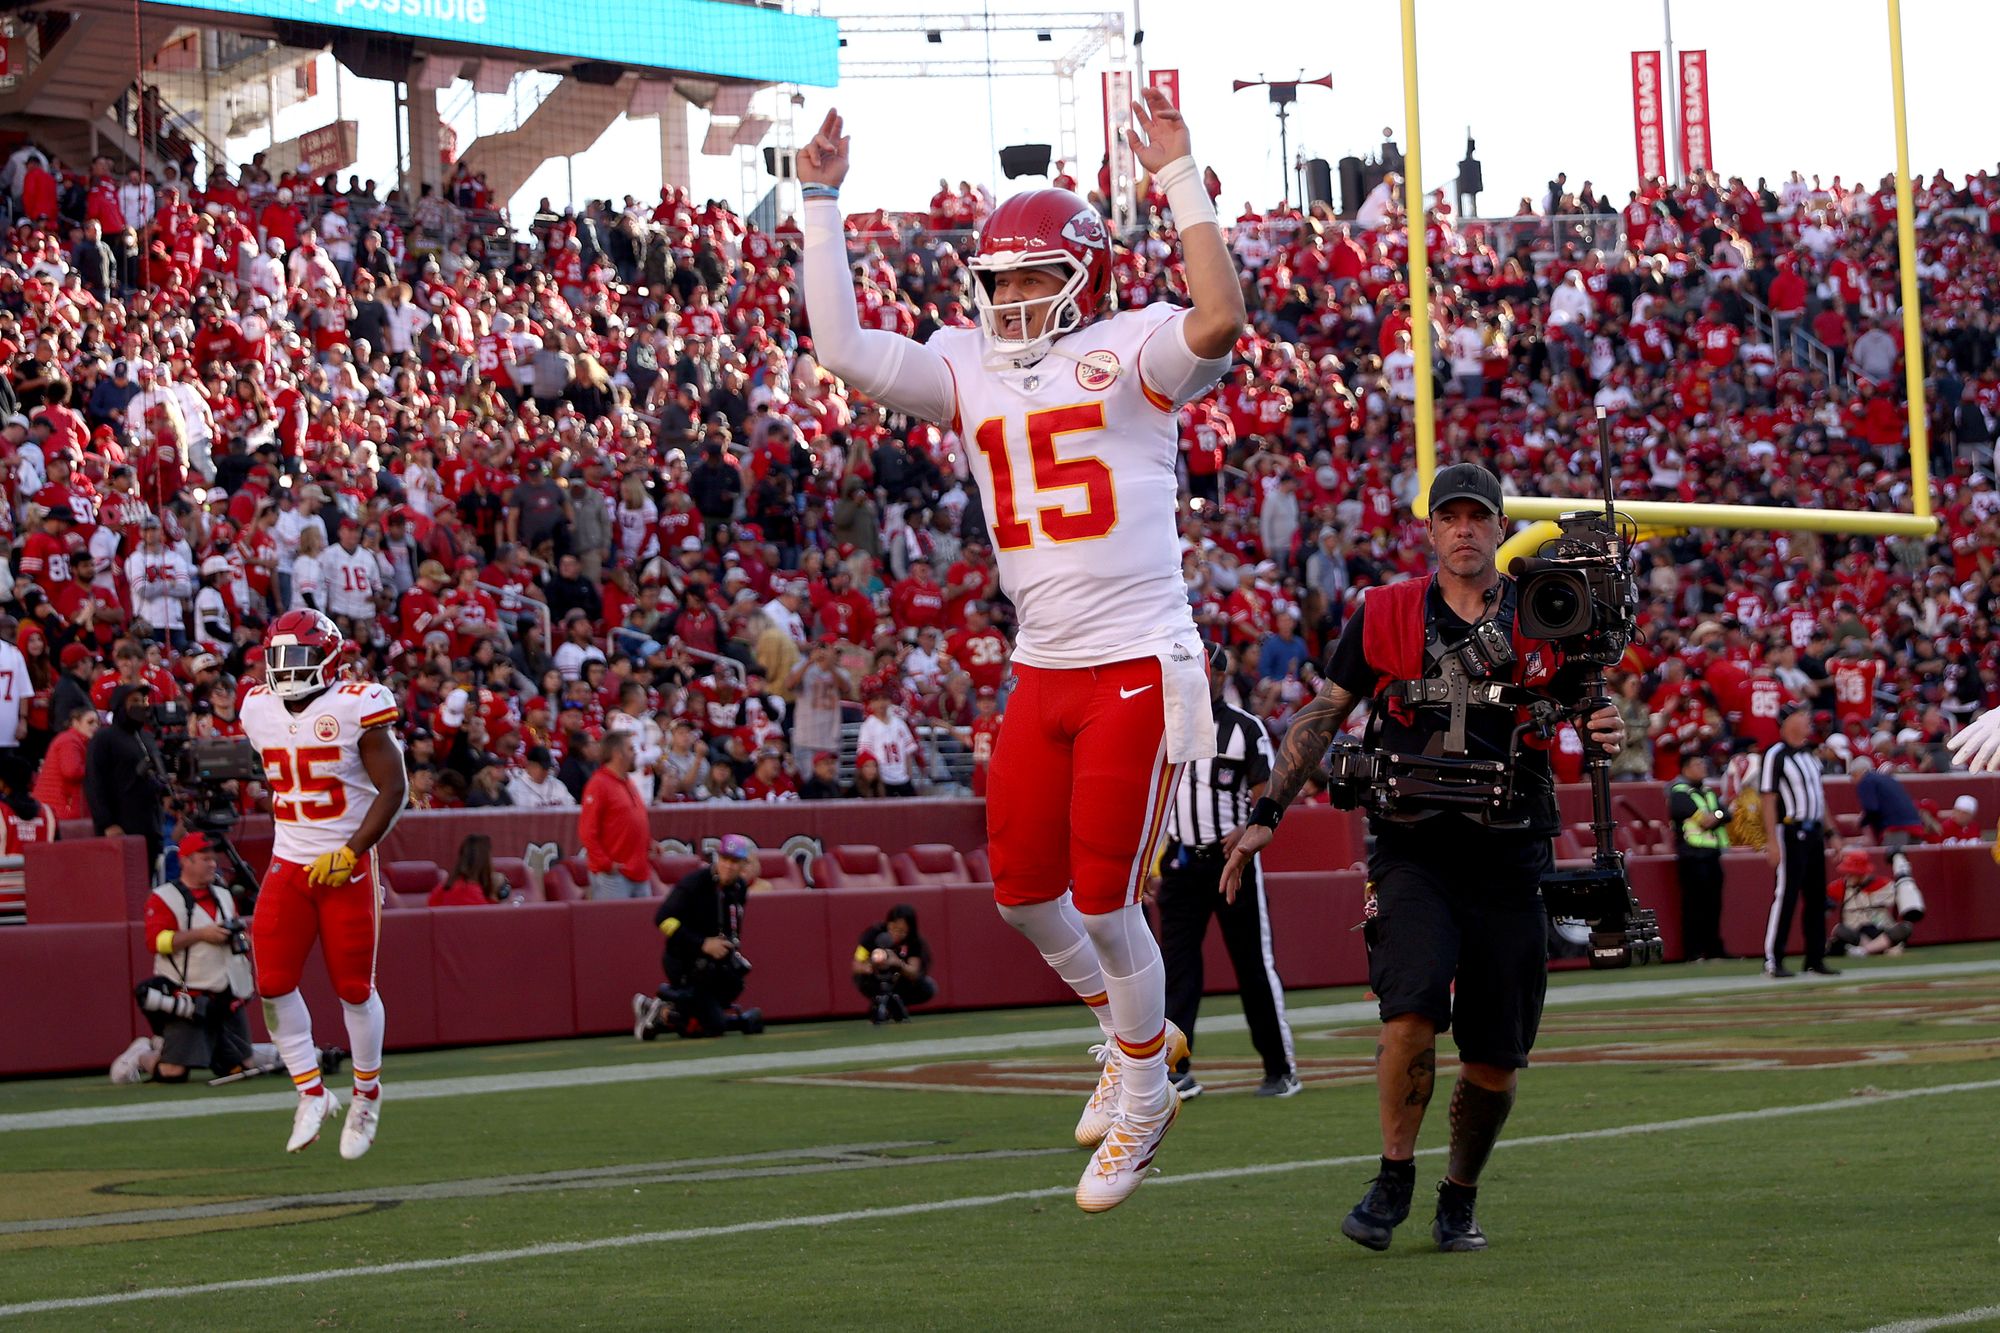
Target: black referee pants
(1189, 896)
(1801, 881)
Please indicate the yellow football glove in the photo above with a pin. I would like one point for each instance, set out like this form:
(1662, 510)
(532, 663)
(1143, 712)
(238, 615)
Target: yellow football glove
(332, 869)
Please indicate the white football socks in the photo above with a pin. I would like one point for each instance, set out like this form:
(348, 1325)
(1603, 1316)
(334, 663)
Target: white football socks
(364, 1038)
(1057, 929)
(1135, 982)
(292, 1028)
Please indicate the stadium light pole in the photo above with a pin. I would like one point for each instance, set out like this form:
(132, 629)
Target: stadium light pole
(1420, 267)
(1284, 92)
(1906, 246)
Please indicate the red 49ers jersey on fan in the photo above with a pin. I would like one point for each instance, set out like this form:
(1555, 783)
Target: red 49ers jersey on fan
(1075, 458)
(320, 789)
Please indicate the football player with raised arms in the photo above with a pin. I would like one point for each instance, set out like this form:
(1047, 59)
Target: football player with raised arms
(1068, 411)
(337, 784)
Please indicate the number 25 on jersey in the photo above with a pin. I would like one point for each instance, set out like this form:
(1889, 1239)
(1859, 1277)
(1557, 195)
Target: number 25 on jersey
(1091, 475)
(298, 790)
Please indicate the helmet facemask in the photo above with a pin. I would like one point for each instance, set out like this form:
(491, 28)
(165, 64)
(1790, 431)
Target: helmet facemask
(1065, 309)
(296, 670)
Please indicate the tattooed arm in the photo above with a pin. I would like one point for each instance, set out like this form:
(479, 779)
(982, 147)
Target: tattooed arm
(1301, 752)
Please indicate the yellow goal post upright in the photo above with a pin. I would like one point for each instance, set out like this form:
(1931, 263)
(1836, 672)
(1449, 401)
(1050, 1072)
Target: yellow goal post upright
(1661, 513)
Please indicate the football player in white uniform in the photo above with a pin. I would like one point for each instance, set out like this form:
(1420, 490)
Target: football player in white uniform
(1069, 411)
(337, 784)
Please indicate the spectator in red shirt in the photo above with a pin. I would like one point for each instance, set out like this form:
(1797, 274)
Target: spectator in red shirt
(917, 601)
(473, 881)
(769, 781)
(613, 826)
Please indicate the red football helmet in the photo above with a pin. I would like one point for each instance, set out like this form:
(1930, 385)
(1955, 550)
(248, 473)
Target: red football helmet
(1042, 229)
(301, 652)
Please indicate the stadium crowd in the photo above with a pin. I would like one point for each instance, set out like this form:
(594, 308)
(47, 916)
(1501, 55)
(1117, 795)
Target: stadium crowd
(595, 481)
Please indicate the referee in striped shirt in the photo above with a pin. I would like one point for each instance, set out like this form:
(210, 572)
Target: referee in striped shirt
(1796, 831)
(1213, 801)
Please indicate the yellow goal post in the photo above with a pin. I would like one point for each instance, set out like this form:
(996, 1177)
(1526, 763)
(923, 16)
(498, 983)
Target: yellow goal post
(1666, 513)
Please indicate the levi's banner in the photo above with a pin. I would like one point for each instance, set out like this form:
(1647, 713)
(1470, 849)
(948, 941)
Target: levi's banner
(1697, 152)
(1649, 136)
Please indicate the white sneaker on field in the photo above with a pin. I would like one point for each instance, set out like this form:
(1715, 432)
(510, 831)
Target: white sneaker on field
(363, 1115)
(314, 1111)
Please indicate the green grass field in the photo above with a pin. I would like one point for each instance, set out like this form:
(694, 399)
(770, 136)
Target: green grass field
(1694, 1148)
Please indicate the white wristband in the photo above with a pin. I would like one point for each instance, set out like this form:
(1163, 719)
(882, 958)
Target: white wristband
(1187, 198)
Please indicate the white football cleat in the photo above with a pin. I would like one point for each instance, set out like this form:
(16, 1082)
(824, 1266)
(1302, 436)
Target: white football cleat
(1102, 1108)
(1123, 1159)
(363, 1115)
(125, 1069)
(313, 1111)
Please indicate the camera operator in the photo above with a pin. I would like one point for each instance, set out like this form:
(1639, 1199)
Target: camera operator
(201, 982)
(702, 919)
(892, 966)
(1455, 893)
(123, 775)
(1874, 914)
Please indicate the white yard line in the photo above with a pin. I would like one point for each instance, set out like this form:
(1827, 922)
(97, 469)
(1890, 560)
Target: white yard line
(747, 1166)
(555, 1248)
(152, 1110)
(1979, 1316)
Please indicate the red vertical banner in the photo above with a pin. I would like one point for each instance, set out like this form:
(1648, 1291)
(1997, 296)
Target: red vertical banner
(1649, 136)
(1167, 81)
(1697, 151)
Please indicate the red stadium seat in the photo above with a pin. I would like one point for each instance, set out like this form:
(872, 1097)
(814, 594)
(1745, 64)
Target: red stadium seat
(863, 866)
(515, 871)
(410, 883)
(781, 870)
(978, 870)
(930, 863)
(672, 868)
(559, 884)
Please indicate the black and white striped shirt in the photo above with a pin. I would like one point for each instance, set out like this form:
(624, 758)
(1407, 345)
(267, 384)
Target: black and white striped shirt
(1792, 775)
(1214, 796)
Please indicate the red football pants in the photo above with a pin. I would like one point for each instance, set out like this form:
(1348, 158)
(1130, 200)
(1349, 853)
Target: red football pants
(345, 919)
(1079, 786)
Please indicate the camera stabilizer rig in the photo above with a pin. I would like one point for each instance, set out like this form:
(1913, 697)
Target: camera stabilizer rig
(1578, 592)
(199, 773)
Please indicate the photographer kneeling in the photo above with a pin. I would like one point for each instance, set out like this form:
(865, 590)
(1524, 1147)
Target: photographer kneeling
(201, 982)
(702, 918)
(1454, 772)
(892, 966)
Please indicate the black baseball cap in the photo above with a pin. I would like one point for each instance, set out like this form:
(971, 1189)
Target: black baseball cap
(1465, 481)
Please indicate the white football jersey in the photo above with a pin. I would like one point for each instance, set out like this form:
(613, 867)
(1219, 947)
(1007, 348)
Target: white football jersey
(1075, 459)
(312, 763)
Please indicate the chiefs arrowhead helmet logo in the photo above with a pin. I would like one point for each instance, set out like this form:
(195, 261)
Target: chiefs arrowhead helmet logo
(1086, 228)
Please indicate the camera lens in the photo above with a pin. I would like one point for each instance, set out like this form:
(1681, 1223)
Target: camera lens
(1556, 603)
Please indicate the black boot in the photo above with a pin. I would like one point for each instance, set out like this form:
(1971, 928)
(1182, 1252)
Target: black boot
(1454, 1229)
(1383, 1208)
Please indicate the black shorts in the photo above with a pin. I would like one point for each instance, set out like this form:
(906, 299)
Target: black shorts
(1466, 909)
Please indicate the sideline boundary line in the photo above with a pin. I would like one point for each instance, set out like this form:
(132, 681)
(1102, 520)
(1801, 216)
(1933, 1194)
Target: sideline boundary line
(1924, 1325)
(554, 1248)
(154, 1110)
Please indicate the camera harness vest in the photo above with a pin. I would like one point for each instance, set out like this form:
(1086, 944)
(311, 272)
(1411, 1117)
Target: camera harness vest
(1436, 676)
(1401, 640)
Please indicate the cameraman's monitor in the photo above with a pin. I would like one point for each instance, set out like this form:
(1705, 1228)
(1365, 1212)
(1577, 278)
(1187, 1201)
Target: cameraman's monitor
(218, 761)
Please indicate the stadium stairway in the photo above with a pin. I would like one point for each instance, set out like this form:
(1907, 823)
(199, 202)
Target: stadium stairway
(569, 120)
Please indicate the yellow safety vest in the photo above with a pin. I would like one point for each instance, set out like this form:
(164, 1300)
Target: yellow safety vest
(1693, 832)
